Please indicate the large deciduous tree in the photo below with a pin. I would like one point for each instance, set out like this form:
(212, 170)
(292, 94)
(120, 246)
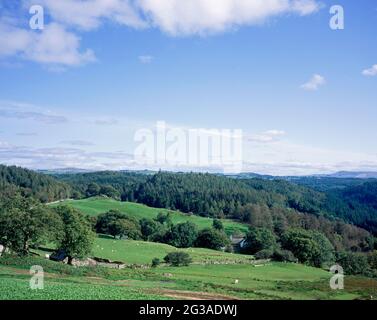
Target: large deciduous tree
(212, 239)
(259, 239)
(77, 237)
(182, 235)
(310, 247)
(25, 222)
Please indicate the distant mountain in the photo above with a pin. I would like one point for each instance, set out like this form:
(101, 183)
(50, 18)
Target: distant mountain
(354, 174)
(249, 175)
(64, 171)
(340, 174)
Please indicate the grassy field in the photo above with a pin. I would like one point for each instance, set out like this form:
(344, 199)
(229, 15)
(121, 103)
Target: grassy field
(140, 252)
(271, 281)
(95, 206)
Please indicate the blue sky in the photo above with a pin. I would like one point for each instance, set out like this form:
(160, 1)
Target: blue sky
(74, 93)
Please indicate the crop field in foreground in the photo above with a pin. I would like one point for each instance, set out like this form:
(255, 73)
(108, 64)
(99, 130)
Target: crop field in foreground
(17, 288)
(95, 206)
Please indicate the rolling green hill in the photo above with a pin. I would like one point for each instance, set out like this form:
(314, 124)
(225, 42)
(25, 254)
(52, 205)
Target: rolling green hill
(95, 206)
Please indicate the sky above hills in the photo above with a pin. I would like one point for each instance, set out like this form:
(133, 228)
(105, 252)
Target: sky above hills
(75, 93)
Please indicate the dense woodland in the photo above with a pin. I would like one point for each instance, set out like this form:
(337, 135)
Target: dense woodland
(121, 185)
(352, 200)
(30, 183)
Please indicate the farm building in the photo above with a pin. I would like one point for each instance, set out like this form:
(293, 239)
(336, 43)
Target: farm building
(238, 242)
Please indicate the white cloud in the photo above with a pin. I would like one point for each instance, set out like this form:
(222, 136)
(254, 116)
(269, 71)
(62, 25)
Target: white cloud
(175, 17)
(146, 59)
(178, 17)
(371, 71)
(53, 46)
(58, 45)
(89, 14)
(314, 83)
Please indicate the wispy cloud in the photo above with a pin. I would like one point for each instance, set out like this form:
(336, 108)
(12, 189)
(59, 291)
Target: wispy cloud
(371, 72)
(81, 143)
(106, 122)
(314, 83)
(20, 111)
(51, 158)
(265, 137)
(146, 59)
(26, 134)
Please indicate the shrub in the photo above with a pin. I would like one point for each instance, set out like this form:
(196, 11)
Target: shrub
(148, 228)
(353, 263)
(155, 262)
(264, 254)
(218, 225)
(284, 256)
(177, 259)
(372, 259)
(229, 248)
